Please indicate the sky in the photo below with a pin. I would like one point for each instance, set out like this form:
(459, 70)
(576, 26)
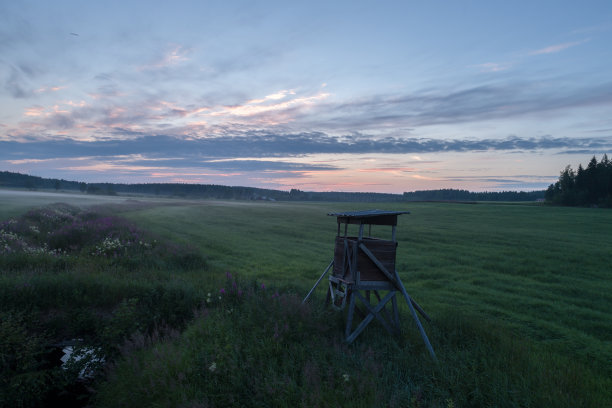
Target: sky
(372, 96)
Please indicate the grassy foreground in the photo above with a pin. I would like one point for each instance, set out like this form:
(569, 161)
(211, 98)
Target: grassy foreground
(519, 296)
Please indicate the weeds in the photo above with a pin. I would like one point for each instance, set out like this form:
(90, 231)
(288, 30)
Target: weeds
(61, 231)
(82, 274)
(264, 348)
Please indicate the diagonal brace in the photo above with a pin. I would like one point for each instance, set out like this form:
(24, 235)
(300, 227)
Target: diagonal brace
(369, 317)
(376, 314)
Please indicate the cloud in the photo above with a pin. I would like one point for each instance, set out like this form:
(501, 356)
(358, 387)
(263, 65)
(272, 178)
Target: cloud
(493, 66)
(266, 145)
(443, 106)
(281, 160)
(173, 55)
(258, 107)
(108, 109)
(108, 112)
(553, 49)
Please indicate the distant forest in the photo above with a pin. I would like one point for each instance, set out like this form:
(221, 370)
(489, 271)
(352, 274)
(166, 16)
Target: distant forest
(584, 187)
(17, 180)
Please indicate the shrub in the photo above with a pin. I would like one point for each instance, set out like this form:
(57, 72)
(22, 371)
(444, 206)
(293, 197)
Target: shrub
(25, 379)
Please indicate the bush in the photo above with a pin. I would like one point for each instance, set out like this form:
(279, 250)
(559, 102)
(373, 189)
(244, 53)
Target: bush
(25, 378)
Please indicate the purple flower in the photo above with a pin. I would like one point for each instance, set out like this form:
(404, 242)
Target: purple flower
(263, 286)
(222, 291)
(228, 275)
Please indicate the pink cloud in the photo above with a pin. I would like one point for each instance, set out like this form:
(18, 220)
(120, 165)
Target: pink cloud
(49, 89)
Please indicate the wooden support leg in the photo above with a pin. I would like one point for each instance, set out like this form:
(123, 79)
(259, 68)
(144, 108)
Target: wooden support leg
(319, 281)
(418, 322)
(420, 310)
(349, 319)
(396, 320)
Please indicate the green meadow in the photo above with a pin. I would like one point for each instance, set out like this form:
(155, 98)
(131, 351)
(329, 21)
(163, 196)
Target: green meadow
(198, 304)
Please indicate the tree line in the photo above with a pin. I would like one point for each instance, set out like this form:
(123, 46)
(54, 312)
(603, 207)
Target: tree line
(584, 187)
(450, 194)
(17, 180)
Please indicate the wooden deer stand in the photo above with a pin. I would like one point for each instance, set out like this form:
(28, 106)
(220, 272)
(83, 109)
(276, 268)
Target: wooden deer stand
(365, 265)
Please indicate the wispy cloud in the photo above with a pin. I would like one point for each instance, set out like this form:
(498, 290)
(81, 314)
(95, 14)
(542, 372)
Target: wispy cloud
(174, 55)
(493, 66)
(557, 47)
(259, 106)
(44, 89)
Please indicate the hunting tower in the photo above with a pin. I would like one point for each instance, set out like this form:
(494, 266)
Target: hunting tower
(364, 266)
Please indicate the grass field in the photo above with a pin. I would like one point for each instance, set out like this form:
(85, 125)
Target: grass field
(519, 295)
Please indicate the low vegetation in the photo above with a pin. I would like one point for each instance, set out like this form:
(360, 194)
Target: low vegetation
(202, 308)
(73, 274)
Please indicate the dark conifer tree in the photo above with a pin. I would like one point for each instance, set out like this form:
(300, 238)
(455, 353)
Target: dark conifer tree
(591, 186)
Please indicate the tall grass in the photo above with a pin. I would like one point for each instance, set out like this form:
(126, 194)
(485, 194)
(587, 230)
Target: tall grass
(265, 349)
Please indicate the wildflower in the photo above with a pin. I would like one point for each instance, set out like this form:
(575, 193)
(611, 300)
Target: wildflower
(346, 377)
(222, 291)
(263, 286)
(212, 367)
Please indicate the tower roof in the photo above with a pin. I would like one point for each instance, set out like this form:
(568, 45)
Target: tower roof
(374, 217)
